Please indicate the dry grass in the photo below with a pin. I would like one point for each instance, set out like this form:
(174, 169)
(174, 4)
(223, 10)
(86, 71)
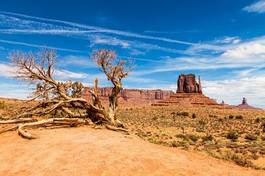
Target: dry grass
(230, 134)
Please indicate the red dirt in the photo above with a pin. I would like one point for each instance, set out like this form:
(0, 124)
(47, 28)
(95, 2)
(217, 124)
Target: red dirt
(86, 151)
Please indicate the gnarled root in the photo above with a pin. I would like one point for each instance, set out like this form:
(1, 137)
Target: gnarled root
(55, 121)
(12, 128)
(21, 120)
(113, 128)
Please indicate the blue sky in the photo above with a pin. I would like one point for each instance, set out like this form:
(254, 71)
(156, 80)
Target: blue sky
(222, 41)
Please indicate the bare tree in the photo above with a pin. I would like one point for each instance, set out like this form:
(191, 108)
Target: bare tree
(66, 97)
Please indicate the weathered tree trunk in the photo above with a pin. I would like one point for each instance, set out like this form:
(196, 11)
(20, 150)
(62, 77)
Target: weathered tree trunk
(66, 96)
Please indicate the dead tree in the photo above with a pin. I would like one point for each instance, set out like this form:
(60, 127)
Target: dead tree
(66, 97)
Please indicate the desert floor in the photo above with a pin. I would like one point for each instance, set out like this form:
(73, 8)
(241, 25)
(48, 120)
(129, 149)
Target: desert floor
(87, 151)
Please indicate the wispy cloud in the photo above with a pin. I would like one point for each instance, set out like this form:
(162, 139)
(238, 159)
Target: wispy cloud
(257, 7)
(39, 46)
(76, 60)
(228, 40)
(250, 54)
(7, 70)
(68, 75)
(78, 26)
(131, 45)
(15, 90)
(109, 41)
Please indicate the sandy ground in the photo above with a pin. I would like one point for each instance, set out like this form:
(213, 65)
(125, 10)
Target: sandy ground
(86, 151)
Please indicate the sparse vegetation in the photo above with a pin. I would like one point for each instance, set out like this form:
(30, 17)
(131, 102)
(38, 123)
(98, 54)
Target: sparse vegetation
(239, 117)
(232, 135)
(225, 136)
(251, 137)
(183, 113)
(2, 105)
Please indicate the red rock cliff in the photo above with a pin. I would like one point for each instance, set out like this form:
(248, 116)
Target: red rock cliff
(188, 84)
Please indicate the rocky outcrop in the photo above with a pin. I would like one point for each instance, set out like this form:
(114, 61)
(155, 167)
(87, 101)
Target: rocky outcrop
(188, 84)
(187, 99)
(245, 105)
(189, 92)
(132, 97)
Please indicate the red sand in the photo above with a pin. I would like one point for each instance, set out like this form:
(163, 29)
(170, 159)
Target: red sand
(86, 151)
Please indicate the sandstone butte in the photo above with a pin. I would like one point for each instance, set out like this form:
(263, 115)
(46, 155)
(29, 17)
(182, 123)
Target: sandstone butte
(189, 92)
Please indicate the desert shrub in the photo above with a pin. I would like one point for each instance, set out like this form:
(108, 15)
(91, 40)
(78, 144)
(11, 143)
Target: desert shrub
(251, 137)
(174, 144)
(257, 120)
(183, 113)
(207, 138)
(193, 115)
(182, 136)
(193, 137)
(201, 122)
(155, 118)
(201, 126)
(241, 160)
(232, 135)
(263, 127)
(239, 117)
(2, 105)
(210, 115)
(230, 116)
(262, 138)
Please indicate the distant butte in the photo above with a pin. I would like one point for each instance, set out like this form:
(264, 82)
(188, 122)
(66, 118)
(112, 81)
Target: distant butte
(245, 105)
(189, 92)
(188, 84)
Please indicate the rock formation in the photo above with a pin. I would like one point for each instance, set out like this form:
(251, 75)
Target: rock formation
(135, 97)
(188, 84)
(189, 92)
(245, 105)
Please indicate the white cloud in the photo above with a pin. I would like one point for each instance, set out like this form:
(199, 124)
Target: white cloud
(258, 7)
(15, 90)
(109, 41)
(76, 60)
(233, 90)
(7, 70)
(66, 74)
(250, 54)
(228, 40)
(252, 50)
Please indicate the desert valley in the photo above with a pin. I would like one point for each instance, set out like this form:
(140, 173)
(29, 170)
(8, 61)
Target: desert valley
(186, 120)
(132, 88)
